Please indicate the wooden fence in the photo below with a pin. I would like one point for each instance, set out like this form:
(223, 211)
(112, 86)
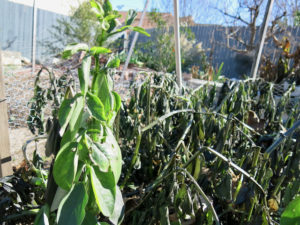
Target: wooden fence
(5, 156)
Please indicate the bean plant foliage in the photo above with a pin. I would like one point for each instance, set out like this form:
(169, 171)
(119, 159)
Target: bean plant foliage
(205, 156)
(83, 179)
(166, 155)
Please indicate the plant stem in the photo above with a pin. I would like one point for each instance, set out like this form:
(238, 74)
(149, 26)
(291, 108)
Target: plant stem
(133, 161)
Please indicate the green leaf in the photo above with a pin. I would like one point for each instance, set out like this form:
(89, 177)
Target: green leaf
(119, 209)
(84, 74)
(89, 219)
(42, 218)
(141, 31)
(99, 158)
(129, 27)
(131, 15)
(71, 211)
(75, 120)
(96, 107)
(65, 113)
(164, 215)
(99, 50)
(112, 151)
(83, 149)
(114, 63)
(65, 166)
(117, 102)
(291, 214)
(97, 8)
(74, 48)
(104, 188)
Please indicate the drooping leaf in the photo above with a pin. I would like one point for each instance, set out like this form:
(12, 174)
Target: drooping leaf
(84, 74)
(65, 166)
(74, 48)
(95, 106)
(114, 63)
(129, 27)
(104, 188)
(141, 31)
(119, 209)
(42, 218)
(99, 50)
(65, 113)
(131, 15)
(71, 211)
(291, 214)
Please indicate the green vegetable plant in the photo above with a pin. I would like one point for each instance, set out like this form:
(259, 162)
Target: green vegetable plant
(82, 186)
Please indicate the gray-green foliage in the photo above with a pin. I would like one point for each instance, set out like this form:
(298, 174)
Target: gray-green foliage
(209, 135)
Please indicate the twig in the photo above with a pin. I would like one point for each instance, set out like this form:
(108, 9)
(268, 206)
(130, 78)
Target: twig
(235, 166)
(202, 194)
(282, 137)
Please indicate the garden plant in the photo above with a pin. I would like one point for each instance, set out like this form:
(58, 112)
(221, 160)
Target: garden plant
(165, 155)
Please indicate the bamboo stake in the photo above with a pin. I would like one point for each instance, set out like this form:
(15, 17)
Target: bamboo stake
(34, 36)
(263, 32)
(177, 44)
(136, 35)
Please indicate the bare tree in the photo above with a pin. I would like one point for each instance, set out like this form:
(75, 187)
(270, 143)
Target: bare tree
(247, 16)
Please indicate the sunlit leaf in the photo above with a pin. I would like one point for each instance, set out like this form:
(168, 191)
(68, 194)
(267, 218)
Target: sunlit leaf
(74, 48)
(104, 188)
(95, 106)
(291, 214)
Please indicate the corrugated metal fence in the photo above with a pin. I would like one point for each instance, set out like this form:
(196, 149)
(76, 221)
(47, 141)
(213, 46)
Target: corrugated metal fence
(16, 28)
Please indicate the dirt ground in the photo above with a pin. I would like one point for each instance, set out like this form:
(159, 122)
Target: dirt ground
(18, 137)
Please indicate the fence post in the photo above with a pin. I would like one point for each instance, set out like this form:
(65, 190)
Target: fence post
(5, 156)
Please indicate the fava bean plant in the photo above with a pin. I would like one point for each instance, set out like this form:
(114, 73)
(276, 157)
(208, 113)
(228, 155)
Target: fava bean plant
(82, 186)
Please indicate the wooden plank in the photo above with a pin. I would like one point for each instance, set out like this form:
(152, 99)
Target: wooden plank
(5, 156)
